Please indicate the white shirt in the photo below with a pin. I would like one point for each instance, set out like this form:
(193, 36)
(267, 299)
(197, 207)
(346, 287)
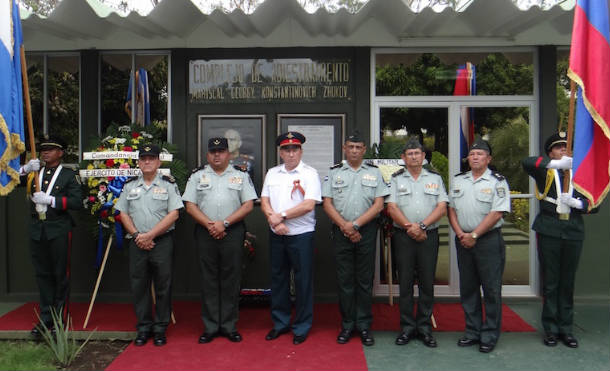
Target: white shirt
(278, 186)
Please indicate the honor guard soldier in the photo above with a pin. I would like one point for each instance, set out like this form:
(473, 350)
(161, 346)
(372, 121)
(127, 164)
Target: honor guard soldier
(417, 201)
(478, 200)
(50, 228)
(290, 193)
(353, 195)
(560, 233)
(218, 197)
(149, 206)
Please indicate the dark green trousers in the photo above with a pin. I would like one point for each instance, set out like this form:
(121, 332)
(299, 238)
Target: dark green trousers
(482, 266)
(146, 266)
(355, 270)
(50, 260)
(415, 259)
(558, 264)
(220, 264)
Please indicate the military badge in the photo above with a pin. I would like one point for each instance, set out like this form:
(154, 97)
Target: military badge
(501, 192)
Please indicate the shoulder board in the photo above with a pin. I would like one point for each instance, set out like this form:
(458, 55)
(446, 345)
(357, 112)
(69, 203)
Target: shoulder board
(197, 169)
(462, 173)
(131, 179)
(497, 175)
(169, 178)
(398, 172)
(336, 166)
(431, 169)
(239, 168)
(370, 163)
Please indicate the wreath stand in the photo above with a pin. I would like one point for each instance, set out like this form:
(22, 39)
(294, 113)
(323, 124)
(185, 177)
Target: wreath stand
(99, 279)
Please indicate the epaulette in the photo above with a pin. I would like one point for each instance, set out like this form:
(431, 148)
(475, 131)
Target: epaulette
(197, 169)
(431, 169)
(462, 173)
(239, 168)
(169, 178)
(497, 175)
(370, 163)
(336, 166)
(398, 172)
(131, 179)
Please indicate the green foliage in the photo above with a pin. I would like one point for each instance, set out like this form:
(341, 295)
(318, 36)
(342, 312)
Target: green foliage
(390, 147)
(440, 163)
(520, 213)
(510, 144)
(64, 346)
(19, 355)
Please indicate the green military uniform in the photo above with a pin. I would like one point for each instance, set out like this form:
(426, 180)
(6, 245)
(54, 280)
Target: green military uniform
(147, 206)
(353, 192)
(416, 199)
(50, 239)
(219, 196)
(482, 265)
(559, 247)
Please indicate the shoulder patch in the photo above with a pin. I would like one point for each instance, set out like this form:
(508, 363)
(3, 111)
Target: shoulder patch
(169, 178)
(462, 173)
(240, 168)
(370, 163)
(398, 172)
(497, 175)
(197, 169)
(336, 166)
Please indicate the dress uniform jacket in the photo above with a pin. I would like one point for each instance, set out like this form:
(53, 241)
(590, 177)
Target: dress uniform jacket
(353, 193)
(482, 265)
(219, 196)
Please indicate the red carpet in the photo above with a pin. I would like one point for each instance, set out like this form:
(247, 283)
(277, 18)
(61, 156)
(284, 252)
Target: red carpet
(319, 352)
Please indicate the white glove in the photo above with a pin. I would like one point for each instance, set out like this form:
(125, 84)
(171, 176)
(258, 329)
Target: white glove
(564, 163)
(42, 198)
(572, 202)
(32, 165)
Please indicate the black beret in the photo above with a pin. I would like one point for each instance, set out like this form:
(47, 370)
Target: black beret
(412, 143)
(149, 149)
(355, 137)
(480, 144)
(217, 143)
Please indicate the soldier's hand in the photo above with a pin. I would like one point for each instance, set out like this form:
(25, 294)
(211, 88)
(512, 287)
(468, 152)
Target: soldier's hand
(42, 198)
(348, 229)
(564, 163)
(355, 237)
(274, 219)
(467, 241)
(145, 241)
(281, 229)
(216, 229)
(572, 202)
(32, 165)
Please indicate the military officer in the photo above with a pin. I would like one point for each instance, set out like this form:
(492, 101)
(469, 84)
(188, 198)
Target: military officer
(218, 197)
(50, 226)
(417, 201)
(478, 200)
(290, 193)
(353, 195)
(149, 206)
(559, 240)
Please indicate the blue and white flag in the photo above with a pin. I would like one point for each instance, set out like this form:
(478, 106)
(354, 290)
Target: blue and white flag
(142, 110)
(11, 96)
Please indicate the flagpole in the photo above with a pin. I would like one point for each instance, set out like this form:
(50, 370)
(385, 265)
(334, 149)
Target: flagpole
(28, 111)
(567, 174)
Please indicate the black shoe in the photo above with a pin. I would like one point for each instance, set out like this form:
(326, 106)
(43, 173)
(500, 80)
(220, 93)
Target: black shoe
(234, 337)
(274, 334)
(366, 338)
(160, 339)
(466, 342)
(428, 340)
(550, 340)
(298, 339)
(403, 338)
(206, 338)
(344, 336)
(486, 348)
(141, 338)
(568, 340)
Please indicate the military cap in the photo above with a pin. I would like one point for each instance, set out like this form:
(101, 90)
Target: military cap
(217, 143)
(52, 142)
(480, 144)
(557, 138)
(149, 149)
(355, 137)
(290, 138)
(412, 143)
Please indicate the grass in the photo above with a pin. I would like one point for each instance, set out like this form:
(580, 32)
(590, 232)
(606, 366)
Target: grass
(26, 355)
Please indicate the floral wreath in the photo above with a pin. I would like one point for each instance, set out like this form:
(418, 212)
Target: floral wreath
(102, 193)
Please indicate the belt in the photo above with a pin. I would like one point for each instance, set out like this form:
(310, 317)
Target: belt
(402, 229)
